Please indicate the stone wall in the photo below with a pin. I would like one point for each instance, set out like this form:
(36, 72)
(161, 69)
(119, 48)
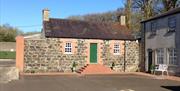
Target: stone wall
(45, 56)
(7, 46)
(108, 58)
(130, 57)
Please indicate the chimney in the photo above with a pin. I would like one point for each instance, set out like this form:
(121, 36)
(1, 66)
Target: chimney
(45, 15)
(122, 20)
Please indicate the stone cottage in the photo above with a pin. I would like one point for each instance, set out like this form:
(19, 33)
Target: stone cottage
(94, 47)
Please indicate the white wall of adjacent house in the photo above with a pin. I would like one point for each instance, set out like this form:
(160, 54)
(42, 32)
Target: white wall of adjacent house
(162, 39)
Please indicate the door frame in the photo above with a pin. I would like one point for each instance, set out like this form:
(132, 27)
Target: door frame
(150, 59)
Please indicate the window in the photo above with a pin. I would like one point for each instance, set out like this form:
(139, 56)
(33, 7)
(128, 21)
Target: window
(153, 27)
(116, 49)
(172, 56)
(171, 24)
(160, 56)
(68, 48)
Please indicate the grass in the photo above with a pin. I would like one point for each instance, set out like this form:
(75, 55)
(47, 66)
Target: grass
(7, 55)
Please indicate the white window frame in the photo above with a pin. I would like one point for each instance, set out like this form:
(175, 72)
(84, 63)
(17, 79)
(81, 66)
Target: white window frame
(68, 48)
(160, 56)
(116, 49)
(173, 56)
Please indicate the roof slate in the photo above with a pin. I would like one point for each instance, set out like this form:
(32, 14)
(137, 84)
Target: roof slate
(64, 28)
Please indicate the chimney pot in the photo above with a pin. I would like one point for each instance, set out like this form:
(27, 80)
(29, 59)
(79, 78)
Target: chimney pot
(45, 14)
(122, 20)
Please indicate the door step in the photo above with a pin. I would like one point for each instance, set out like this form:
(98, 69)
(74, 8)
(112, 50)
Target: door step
(94, 69)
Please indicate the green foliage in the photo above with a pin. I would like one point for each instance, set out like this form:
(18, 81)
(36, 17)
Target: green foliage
(7, 55)
(74, 64)
(73, 68)
(152, 67)
(112, 65)
(8, 33)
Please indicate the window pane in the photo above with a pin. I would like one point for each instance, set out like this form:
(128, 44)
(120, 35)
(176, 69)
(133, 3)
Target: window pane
(68, 48)
(160, 56)
(172, 22)
(116, 48)
(173, 56)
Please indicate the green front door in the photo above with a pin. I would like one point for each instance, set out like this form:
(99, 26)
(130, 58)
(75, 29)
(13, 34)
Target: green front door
(93, 53)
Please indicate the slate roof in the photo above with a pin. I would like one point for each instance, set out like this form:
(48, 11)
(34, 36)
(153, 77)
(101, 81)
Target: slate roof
(64, 28)
(171, 12)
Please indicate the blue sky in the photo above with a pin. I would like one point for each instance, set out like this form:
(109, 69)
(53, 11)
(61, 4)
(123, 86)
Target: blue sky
(26, 13)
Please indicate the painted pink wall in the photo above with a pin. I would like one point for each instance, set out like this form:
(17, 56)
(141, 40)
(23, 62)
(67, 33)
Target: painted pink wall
(20, 53)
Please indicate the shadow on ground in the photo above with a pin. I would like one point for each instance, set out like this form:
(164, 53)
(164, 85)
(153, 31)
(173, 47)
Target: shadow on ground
(172, 88)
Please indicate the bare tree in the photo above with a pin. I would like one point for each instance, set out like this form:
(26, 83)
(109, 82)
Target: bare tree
(145, 6)
(128, 14)
(170, 4)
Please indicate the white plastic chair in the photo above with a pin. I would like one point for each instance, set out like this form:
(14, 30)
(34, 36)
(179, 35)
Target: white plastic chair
(163, 68)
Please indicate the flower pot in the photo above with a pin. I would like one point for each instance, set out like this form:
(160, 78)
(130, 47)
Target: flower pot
(152, 71)
(74, 69)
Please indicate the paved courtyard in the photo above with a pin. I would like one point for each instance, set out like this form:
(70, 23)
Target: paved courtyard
(90, 83)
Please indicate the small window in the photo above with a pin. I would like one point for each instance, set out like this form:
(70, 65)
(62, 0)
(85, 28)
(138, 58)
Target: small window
(172, 56)
(171, 24)
(160, 56)
(153, 27)
(116, 49)
(68, 48)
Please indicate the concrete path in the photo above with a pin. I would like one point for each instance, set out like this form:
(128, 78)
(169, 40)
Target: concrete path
(91, 83)
(7, 62)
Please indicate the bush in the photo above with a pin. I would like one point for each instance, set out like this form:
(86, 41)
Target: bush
(7, 55)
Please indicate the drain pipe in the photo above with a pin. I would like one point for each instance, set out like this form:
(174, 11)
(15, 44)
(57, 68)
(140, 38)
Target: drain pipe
(124, 56)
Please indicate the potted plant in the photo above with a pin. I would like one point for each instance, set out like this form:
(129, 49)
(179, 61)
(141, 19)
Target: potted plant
(74, 66)
(152, 69)
(112, 65)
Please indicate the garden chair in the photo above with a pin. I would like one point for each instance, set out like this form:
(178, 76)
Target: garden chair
(163, 68)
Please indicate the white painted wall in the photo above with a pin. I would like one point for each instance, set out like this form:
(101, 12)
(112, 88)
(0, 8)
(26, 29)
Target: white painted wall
(162, 39)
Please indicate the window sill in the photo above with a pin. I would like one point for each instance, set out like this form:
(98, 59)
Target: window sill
(152, 35)
(116, 53)
(172, 65)
(170, 31)
(68, 53)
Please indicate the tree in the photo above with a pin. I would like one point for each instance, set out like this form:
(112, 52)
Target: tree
(170, 4)
(111, 16)
(128, 14)
(8, 33)
(145, 6)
